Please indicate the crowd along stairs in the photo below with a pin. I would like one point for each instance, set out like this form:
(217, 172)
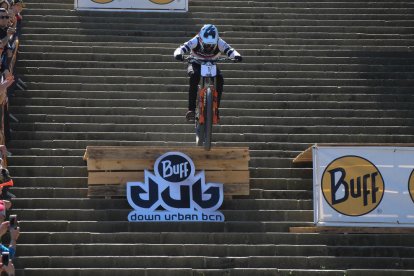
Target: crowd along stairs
(315, 71)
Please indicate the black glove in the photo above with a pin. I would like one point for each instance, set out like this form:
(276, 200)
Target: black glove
(179, 57)
(5, 176)
(238, 58)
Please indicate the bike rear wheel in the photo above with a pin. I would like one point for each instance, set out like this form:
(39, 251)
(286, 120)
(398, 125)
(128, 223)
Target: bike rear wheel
(208, 124)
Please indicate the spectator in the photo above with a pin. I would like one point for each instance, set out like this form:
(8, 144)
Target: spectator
(9, 269)
(5, 33)
(3, 88)
(5, 4)
(5, 83)
(5, 183)
(17, 9)
(14, 235)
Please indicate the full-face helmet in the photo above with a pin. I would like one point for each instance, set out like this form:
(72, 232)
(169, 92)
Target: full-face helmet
(208, 37)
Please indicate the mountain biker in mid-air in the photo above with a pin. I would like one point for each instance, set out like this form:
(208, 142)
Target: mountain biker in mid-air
(207, 45)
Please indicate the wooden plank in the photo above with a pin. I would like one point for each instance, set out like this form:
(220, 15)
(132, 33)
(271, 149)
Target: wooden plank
(120, 190)
(143, 164)
(119, 165)
(356, 230)
(116, 178)
(100, 178)
(304, 156)
(124, 153)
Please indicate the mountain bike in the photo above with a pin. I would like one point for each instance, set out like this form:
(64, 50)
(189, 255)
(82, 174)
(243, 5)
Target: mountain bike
(207, 100)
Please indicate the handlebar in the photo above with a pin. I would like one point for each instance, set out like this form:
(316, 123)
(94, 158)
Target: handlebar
(203, 60)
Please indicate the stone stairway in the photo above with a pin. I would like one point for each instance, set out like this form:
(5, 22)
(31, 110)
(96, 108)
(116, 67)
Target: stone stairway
(313, 71)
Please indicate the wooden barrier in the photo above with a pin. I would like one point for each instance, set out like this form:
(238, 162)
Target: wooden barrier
(110, 168)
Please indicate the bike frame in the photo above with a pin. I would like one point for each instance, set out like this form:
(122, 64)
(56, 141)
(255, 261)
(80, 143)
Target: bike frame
(207, 97)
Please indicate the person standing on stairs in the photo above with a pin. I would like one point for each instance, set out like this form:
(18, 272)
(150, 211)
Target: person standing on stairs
(5, 33)
(208, 45)
(7, 265)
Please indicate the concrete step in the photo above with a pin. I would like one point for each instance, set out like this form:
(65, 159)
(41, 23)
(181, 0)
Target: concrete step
(225, 27)
(211, 250)
(36, 160)
(51, 192)
(54, 129)
(216, 272)
(291, 88)
(138, 38)
(394, 52)
(228, 115)
(236, 204)
(281, 183)
(277, 20)
(340, 71)
(356, 240)
(198, 19)
(179, 272)
(124, 226)
(35, 181)
(225, 111)
(284, 57)
(217, 263)
(278, 49)
(253, 144)
(117, 214)
(225, 120)
(251, 30)
(240, 104)
(212, 272)
(116, 81)
(231, 74)
(49, 171)
(77, 139)
(286, 32)
(289, 94)
(40, 152)
(246, 12)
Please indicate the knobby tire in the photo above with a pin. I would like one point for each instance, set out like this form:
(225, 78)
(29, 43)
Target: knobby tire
(208, 124)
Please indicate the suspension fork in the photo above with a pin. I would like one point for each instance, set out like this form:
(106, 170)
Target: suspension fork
(205, 83)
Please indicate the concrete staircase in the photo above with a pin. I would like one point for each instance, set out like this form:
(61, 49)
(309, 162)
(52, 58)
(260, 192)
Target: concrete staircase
(313, 71)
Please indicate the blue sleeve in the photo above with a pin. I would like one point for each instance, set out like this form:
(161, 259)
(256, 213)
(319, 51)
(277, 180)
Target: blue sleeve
(11, 251)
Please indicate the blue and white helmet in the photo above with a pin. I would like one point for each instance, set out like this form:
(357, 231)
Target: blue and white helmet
(208, 37)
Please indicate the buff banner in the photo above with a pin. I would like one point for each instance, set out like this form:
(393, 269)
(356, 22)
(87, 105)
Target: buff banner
(363, 186)
(133, 5)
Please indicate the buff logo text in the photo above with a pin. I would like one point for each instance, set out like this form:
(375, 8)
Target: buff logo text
(180, 170)
(368, 189)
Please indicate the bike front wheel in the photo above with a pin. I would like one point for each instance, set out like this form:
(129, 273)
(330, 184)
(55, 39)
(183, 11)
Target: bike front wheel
(199, 129)
(208, 124)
